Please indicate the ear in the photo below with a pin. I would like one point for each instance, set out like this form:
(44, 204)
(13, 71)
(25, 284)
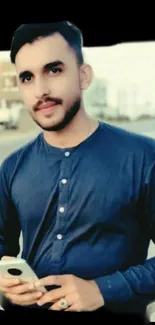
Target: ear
(86, 76)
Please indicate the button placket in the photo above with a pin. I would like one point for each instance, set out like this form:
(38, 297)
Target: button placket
(63, 200)
(63, 193)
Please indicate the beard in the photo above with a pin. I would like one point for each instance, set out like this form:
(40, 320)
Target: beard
(70, 114)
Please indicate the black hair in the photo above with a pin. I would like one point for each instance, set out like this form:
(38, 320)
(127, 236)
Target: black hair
(27, 33)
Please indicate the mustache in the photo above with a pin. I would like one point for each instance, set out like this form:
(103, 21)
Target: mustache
(56, 100)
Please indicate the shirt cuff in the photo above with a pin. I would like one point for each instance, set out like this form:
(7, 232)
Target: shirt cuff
(114, 289)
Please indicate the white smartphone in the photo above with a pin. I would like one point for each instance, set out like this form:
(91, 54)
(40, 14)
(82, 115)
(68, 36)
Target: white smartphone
(20, 269)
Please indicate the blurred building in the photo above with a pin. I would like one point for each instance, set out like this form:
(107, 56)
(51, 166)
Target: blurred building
(9, 92)
(95, 97)
(129, 71)
(127, 102)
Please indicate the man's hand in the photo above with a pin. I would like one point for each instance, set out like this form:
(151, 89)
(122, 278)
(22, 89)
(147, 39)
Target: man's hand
(81, 295)
(18, 292)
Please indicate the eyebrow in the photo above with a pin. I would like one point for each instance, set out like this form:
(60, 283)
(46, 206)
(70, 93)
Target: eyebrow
(47, 66)
(53, 64)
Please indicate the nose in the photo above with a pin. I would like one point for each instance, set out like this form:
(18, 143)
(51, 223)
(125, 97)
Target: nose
(41, 88)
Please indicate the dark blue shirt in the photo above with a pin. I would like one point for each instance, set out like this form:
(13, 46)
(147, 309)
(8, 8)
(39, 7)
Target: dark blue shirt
(87, 211)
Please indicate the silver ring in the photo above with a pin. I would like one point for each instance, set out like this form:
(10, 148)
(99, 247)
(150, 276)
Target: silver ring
(63, 303)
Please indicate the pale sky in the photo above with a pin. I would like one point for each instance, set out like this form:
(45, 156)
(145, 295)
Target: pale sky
(127, 63)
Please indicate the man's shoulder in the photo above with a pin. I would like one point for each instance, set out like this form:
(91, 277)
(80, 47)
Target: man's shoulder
(128, 139)
(12, 160)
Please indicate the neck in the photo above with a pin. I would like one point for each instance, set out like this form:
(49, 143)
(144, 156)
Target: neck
(79, 129)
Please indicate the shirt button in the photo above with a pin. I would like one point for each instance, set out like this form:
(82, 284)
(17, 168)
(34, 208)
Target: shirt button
(62, 209)
(64, 181)
(59, 236)
(67, 153)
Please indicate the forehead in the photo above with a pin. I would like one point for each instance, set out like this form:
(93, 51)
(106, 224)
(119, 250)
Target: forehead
(33, 56)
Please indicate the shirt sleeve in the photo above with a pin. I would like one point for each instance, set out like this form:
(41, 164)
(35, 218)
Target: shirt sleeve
(9, 223)
(135, 285)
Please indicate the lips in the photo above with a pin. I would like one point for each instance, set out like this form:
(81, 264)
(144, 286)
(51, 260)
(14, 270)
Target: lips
(46, 106)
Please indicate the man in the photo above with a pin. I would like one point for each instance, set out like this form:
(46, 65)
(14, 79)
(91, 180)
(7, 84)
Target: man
(82, 191)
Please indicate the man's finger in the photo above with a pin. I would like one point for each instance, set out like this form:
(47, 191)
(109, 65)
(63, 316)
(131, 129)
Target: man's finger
(33, 302)
(72, 308)
(71, 301)
(53, 280)
(24, 298)
(52, 296)
(5, 258)
(20, 289)
(8, 282)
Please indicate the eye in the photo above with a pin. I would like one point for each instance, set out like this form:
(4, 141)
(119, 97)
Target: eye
(54, 70)
(26, 79)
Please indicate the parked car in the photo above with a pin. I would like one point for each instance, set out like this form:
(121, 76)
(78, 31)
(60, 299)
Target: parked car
(9, 117)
